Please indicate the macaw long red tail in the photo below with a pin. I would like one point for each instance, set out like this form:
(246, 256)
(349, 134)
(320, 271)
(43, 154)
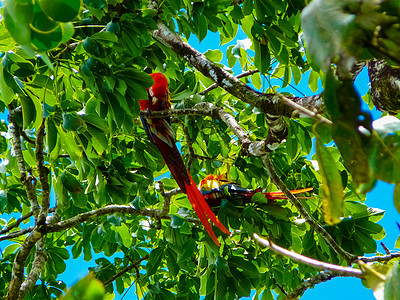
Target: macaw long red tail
(281, 195)
(195, 193)
(176, 166)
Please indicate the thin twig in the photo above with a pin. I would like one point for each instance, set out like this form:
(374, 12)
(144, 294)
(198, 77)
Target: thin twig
(383, 258)
(303, 110)
(127, 269)
(387, 251)
(20, 220)
(350, 258)
(214, 86)
(335, 269)
(43, 174)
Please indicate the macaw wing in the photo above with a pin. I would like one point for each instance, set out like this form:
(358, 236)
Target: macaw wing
(146, 127)
(160, 128)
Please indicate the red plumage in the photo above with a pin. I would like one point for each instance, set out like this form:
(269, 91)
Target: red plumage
(161, 134)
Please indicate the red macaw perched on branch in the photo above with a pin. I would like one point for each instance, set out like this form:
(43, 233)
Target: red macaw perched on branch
(216, 187)
(161, 134)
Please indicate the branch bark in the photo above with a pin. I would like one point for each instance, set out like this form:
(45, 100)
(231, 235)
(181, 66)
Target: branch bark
(26, 180)
(309, 284)
(43, 175)
(335, 269)
(37, 266)
(19, 265)
(383, 258)
(127, 269)
(350, 258)
(267, 103)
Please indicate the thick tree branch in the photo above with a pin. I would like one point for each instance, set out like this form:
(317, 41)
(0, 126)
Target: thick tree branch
(19, 265)
(107, 210)
(350, 258)
(37, 266)
(335, 269)
(385, 86)
(267, 103)
(26, 180)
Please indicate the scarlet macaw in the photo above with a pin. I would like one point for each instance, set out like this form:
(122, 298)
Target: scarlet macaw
(161, 134)
(216, 187)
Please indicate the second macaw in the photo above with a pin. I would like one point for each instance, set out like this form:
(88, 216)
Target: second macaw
(216, 187)
(161, 134)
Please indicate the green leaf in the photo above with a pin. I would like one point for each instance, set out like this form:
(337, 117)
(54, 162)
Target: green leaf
(154, 262)
(10, 249)
(332, 182)
(105, 36)
(96, 121)
(392, 283)
(248, 268)
(73, 122)
(28, 111)
(172, 263)
(88, 288)
(214, 146)
(247, 8)
(384, 157)
(124, 235)
(20, 31)
(214, 55)
(70, 182)
(188, 250)
(325, 25)
(262, 57)
(351, 128)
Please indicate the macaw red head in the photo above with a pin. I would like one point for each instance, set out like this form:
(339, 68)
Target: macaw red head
(160, 86)
(158, 91)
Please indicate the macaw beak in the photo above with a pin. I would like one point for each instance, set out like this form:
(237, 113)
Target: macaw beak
(151, 94)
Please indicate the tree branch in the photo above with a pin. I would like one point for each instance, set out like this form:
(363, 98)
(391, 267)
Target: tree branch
(214, 86)
(127, 269)
(383, 258)
(20, 220)
(43, 174)
(267, 103)
(303, 110)
(19, 265)
(189, 143)
(25, 179)
(167, 199)
(350, 258)
(37, 266)
(335, 269)
(309, 284)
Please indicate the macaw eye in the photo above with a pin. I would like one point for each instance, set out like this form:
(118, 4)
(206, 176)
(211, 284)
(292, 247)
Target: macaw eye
(151, 93)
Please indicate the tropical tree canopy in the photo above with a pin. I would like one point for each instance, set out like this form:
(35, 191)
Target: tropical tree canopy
(78, 175)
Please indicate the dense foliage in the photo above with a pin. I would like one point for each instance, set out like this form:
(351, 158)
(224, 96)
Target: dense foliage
(78, 174)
